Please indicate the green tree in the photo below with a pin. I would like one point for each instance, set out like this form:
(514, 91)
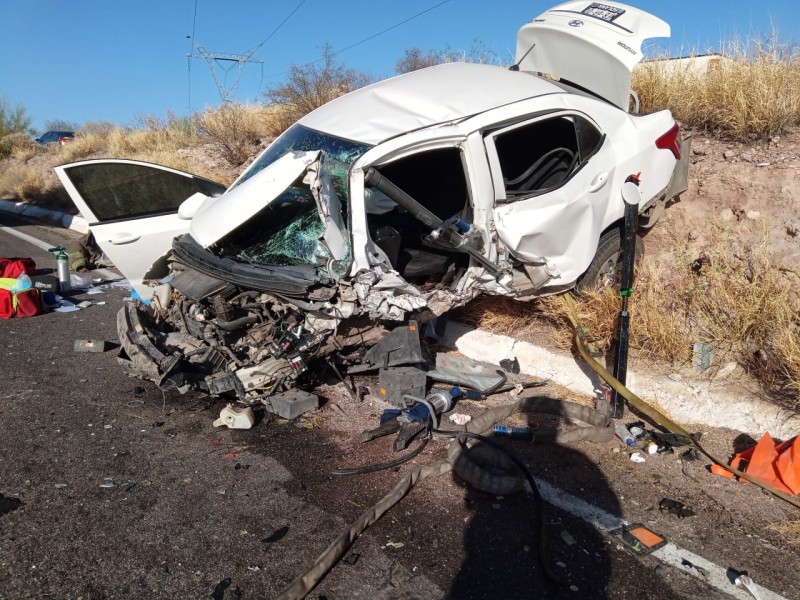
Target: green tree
(13, 119)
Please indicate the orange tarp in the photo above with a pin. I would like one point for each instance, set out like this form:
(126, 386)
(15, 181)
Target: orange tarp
(777, 465)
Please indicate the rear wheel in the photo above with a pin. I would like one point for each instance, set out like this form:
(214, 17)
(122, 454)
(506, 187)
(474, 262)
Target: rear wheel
(604, 270)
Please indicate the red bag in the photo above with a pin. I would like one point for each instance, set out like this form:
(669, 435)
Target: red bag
(6, 304)
(14, 267)
(27, 303)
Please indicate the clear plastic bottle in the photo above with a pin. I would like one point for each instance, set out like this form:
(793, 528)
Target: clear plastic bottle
(23, 283)
(622, 433)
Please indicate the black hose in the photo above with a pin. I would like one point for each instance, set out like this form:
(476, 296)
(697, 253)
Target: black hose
(381, 466)
(542, 546)
(233, 325)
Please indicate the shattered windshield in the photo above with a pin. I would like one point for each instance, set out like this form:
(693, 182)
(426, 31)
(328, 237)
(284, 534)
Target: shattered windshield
(289, 231)
(303, 139)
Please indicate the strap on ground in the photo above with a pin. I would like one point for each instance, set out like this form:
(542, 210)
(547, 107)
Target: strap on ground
(656, 416)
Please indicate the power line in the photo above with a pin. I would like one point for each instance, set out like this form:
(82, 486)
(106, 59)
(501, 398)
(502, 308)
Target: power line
(367, 39)
(395, 26)
(274, 31)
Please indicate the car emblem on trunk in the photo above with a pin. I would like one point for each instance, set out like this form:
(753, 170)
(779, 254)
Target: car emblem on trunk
(576, 23)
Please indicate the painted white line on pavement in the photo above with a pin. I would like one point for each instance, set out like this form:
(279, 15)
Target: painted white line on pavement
(104, 273)
(716, 576)
(28, 238)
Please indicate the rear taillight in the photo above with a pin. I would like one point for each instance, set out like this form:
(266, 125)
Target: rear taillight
(671, 141)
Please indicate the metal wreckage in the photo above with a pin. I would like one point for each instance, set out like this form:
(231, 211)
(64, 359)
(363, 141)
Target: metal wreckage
(399, 201)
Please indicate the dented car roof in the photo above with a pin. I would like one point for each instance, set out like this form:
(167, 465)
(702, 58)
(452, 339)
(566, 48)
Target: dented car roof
(423, 98)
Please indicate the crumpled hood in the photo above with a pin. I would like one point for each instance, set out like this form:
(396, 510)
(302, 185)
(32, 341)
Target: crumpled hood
(220, 216)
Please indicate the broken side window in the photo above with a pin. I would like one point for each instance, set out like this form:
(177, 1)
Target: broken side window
(542, 155)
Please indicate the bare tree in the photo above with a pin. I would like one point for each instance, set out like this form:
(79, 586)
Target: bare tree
(310, 86)
(414, 58)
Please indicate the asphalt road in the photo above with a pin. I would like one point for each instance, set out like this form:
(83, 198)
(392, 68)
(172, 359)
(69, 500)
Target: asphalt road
(110, 488)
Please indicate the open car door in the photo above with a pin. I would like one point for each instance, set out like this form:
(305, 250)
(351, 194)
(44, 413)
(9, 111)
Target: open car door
(593, 45)
(132, 209)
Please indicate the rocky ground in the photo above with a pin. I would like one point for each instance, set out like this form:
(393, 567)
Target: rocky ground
(751, 189)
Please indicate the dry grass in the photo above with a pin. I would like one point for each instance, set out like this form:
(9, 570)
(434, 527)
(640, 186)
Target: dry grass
(789, 530)
(20, 181)
(236, 129)
(18, 146)
(753, 92)
(739, 303)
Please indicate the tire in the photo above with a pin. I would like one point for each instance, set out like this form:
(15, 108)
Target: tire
(604, 270)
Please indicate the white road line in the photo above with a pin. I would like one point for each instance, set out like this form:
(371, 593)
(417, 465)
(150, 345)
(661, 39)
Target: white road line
(28, 238)
(670, 554)
(106, 274)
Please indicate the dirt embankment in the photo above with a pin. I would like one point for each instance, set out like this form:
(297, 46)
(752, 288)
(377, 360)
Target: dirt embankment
(751, 190)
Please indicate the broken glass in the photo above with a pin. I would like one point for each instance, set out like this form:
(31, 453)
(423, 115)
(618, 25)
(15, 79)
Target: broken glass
(289, 230)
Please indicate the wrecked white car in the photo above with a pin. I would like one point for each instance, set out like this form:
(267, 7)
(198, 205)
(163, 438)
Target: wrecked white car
(401, 200)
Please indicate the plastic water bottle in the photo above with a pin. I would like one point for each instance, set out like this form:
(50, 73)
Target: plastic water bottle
(622, 433)
(515, 433)
(23, 283)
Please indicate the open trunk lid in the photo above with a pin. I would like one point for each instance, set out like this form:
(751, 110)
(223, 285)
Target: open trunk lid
(590, 44)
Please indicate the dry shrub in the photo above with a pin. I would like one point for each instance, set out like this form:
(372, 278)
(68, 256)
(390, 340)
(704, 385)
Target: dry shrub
(20, 181)
(154, 135)
(739, 303)
(753, 91)
(17, 145)
(235, 129)
(84, 145)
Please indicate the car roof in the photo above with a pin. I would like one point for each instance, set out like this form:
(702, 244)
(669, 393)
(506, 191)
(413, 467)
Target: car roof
(439, 94)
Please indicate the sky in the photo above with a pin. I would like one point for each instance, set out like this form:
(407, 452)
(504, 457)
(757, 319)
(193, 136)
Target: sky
(108, 60)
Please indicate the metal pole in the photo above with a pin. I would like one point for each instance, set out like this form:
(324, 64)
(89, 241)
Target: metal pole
(631, 196)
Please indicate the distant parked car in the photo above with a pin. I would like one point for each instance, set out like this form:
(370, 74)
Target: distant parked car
(56, 137)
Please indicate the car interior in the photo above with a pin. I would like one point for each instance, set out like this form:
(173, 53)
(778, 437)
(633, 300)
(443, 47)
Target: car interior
(437, 180)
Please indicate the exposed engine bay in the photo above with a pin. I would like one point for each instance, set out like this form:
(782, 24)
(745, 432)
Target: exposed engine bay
(205, 334)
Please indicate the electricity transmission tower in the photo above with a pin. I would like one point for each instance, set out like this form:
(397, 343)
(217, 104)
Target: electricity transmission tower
(223, 66)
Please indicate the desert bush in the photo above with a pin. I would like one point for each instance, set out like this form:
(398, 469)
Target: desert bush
(235, 129)
(20, 181)
(83, 146)
(17, 145)
(752, 92)
(310, 86)
(736, 300)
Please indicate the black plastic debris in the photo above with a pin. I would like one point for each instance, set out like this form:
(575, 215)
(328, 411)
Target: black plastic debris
(674, 507)
(509, 365)
(691, 565)
(401, 347)
(276, 535)
(396, 382)
(219, 590)
(352, 559)
(291, 403)
(8, 504)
